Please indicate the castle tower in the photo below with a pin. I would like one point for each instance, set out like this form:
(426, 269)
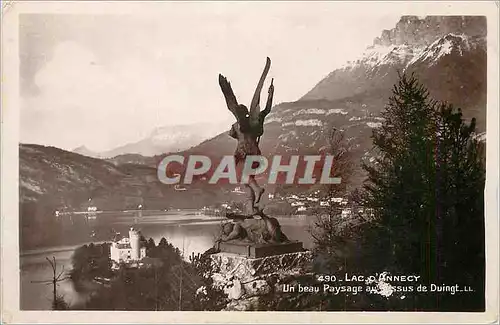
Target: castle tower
(135, 244)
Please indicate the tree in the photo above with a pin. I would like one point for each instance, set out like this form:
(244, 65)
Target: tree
(398, 182)
(89, 261)
(460, 180)
(150, 244)
(330, 231)
(207, 296)
(163, 242)
(426, 191)
(58, 302)
(335, 234)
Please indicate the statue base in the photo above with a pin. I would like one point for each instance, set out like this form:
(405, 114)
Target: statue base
(259, 250)
(246, 280)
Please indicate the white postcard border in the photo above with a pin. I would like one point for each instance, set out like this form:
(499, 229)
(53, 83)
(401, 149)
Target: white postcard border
(10, 171)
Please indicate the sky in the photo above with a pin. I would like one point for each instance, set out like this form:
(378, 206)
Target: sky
(106, 80)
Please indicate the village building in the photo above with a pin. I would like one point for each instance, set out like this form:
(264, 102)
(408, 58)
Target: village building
(238, 190)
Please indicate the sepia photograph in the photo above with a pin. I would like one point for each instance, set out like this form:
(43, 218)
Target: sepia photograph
(287, 157)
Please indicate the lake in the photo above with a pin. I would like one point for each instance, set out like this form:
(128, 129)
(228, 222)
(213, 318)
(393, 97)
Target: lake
(189, 232)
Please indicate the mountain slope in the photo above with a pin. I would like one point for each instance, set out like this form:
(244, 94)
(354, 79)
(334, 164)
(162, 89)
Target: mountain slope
(161, 140)
(448, 55)
(52, 179)
(63, 178)
(394, 50)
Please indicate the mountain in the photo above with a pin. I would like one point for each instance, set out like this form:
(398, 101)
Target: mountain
(447, 54)
(62, 178)
(161, 140)
(56, 179)
(52, 179)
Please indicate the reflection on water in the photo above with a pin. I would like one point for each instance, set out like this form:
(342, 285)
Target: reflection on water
(36, 268)
(191, 234)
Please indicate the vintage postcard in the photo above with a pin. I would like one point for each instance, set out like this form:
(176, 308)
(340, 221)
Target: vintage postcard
(241, 162)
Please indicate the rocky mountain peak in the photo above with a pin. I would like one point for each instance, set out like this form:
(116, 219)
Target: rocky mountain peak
(415, 31)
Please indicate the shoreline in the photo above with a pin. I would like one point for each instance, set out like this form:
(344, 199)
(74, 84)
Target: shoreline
(178, 222)
(55, 249)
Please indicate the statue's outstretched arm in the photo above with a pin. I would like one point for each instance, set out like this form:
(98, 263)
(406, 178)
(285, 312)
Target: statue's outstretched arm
(269, 103)
(254, 106)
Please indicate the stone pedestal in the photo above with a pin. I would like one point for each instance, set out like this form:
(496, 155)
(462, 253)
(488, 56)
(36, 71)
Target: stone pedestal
(245, 279)
(252, 250)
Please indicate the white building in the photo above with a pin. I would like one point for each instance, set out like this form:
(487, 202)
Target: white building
(92, 213)
(127, 250)
(346, 212)
(238, 190)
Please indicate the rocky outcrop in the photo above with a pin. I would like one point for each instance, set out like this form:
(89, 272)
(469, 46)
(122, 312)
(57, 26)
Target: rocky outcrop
(245, 280)
(412, 30)
(404, 48)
